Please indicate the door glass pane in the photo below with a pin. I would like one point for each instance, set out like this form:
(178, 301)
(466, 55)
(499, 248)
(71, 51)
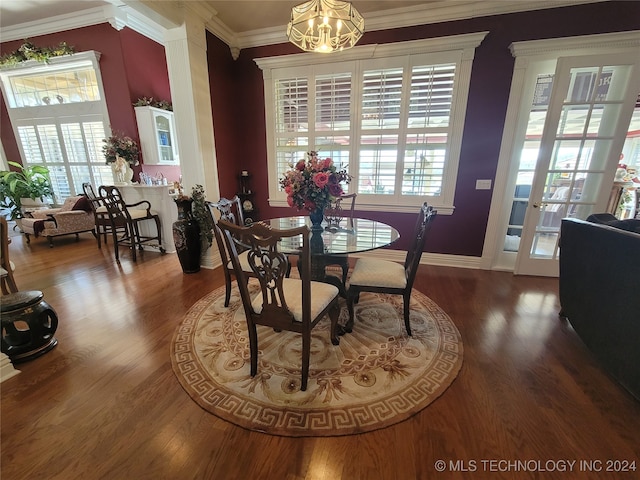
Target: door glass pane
(580, 153)
(572, 120)
(602, 122)
(528, 161)
(545, 245)
(591, 188)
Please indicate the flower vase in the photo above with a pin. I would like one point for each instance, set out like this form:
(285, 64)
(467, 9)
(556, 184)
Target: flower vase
(186, 236)
(122, 174)
(316, 218)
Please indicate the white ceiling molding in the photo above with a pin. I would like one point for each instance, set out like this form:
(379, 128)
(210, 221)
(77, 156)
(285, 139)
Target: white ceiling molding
(409, 17)
(116, 17)
(594, 44)
(426, 45)
(59, 23)
(148, 20)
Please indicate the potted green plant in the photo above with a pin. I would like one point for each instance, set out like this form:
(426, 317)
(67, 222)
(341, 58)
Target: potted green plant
(30, 181)
(193, 230)
(201, 214)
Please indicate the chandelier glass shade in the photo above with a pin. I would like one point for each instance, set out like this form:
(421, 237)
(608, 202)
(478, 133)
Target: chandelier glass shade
(325, 26)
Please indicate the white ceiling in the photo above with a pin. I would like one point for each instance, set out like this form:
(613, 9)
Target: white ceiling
(241, 16)
(238, 15)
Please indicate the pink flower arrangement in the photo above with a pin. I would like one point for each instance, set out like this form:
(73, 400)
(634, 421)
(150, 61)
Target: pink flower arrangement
(313, 183)
(118, 145)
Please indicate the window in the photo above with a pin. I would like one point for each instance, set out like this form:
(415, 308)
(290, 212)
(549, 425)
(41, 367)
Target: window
(59, 118)
(392, 115)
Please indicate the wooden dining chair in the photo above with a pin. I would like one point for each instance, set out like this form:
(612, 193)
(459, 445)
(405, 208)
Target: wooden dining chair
(100, 214)
(341, 209)
(383, 276)
(8, 283)
(231, 211)
(125, 222)
(284, 304)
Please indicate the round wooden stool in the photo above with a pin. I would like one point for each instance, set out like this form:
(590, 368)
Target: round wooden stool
(28, 325)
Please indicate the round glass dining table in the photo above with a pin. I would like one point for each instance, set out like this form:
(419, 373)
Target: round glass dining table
(349, 236)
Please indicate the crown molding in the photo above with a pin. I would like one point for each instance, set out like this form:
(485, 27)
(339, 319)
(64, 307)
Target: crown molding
(59, 23)
(405, 17)
(568, 45)
(426, 45)
(142, 18)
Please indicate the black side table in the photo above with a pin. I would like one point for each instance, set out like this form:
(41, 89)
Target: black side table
(28, 325)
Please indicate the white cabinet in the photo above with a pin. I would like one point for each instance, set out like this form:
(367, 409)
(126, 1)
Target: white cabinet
(157, 136)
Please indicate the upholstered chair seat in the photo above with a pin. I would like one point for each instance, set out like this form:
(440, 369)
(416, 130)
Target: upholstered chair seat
(379, 273)
(322, 294)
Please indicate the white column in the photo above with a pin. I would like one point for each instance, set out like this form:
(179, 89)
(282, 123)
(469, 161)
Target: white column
(186, 52)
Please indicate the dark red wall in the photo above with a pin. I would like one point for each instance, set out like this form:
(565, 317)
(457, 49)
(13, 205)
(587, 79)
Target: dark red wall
(132, 67)
(227, 120)
(463, 232)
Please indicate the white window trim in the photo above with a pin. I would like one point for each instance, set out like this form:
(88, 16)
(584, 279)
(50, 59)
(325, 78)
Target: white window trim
(462, 45)
(50, 114)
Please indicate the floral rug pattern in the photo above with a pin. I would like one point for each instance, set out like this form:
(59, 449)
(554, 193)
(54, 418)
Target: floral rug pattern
(376, 377)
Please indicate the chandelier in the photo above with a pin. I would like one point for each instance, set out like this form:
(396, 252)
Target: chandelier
(325, 26)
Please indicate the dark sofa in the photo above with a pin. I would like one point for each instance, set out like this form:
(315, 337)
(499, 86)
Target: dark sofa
(600, 292)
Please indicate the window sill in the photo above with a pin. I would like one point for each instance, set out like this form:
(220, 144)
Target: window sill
(367, 207)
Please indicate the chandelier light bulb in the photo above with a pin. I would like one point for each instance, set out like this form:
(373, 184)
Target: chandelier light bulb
(325, 26)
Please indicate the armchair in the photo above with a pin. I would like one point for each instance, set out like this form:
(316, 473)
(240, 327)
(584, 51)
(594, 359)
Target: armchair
(384, 276)
(125, 220)
(73, 217)
(283, 303)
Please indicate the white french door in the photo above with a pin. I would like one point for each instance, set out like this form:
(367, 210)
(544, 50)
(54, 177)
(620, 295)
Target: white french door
(591, 103)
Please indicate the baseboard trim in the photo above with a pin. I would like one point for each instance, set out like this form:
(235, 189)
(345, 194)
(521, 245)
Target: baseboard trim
(442, 260)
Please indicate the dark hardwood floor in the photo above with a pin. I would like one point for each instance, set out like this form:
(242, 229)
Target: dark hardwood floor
(105, 404)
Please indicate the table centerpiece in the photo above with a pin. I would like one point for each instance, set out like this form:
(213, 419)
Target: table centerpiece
(311, 184)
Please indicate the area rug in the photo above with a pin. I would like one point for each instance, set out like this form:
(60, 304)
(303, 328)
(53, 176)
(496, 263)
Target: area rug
(377, 376)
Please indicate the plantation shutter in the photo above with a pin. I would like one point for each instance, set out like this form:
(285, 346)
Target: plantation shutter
(428, 129)
(332, 129)
(292, 121)
(416, 148)
(71, 151)
(380, 121)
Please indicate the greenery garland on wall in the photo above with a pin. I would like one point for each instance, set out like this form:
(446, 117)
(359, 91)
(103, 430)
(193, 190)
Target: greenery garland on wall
(150, 102)
(28, 51)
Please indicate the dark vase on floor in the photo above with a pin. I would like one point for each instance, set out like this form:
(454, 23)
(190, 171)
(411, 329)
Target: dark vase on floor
(186, 236)
(316, 218)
